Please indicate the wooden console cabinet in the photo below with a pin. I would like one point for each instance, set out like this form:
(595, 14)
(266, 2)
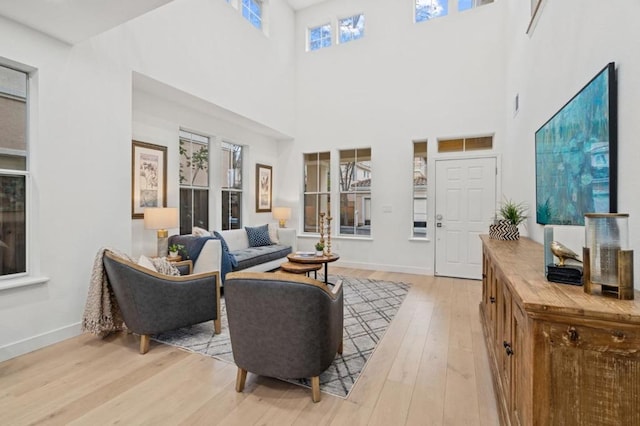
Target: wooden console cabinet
(558, 356)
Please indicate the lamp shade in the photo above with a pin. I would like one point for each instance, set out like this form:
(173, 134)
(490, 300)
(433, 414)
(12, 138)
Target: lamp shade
(161, 217)
(282, 214)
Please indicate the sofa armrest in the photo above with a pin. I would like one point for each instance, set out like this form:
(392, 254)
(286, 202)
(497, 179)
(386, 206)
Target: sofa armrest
(287, 237)
(210, 258)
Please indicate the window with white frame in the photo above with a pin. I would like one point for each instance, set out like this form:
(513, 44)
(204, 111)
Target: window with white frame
(317, 189)
(231, 186)
(470, 4)
(13, 172)
(355, 192)
(194, 181)
(252, 12)
(319, 37)
(420, 189)
(426, 10)
(351, 28)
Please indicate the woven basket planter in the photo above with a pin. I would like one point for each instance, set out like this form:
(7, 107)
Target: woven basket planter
(504, 230)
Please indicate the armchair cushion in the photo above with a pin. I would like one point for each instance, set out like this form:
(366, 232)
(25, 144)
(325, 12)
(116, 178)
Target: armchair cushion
(145, 262)
(246, 258)
(258, 236)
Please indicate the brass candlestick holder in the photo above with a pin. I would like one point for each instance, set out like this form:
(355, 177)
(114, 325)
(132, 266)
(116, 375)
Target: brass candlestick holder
(328, 245)
(322, 227)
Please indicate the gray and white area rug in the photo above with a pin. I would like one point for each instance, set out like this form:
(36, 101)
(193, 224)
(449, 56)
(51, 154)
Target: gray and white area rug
(369, 307)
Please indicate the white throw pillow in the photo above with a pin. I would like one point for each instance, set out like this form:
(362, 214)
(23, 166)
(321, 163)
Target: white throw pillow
(199, 232)
(145, 262)
(273, 233)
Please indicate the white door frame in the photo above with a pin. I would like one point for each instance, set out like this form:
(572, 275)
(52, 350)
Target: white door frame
(432, 194)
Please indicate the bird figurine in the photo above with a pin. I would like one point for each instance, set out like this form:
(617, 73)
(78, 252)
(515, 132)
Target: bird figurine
(563, 252)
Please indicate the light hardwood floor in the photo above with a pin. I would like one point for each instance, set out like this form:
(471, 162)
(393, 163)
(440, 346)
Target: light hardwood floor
(431, 368)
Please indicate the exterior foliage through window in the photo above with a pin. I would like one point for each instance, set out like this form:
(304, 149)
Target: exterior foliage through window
(351, 28)
(320, 37)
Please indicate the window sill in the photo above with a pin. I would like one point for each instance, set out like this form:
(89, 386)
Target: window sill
(22, 282)
(420, 239)
(353, 237)
(338, 237)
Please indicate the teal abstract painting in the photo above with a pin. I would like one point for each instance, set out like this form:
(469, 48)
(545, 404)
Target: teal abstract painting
(576, 155)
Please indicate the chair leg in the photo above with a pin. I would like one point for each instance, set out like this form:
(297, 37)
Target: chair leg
(340, 346)
(241, 377)
(315, 388)
(144, 343)
(217, 326)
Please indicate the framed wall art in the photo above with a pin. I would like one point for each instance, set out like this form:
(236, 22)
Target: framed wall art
(148, 177)
(264, 183)
(576, 155)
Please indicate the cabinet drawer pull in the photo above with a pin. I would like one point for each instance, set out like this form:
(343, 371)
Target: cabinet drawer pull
(492, 299)
(507, 348)
(573, 334)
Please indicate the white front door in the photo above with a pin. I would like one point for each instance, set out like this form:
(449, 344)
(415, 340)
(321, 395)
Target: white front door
(465, 206)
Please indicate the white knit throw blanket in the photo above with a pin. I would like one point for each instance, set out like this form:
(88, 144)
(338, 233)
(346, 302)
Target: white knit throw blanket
(101, 312)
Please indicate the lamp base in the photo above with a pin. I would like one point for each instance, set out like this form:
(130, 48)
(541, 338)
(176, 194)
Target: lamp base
(282, 223)
(163, 242)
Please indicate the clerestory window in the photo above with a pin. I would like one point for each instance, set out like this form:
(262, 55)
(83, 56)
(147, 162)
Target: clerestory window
(252, 12)
(319, 37)
(351, 28)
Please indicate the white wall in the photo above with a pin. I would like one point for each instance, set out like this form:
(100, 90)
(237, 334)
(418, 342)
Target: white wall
(158, 119)
(82, 126)
(401, 82)
(571, 42)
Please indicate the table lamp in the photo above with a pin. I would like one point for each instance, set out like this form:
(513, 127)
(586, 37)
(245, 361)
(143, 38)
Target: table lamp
(282, 214)
(161, 218)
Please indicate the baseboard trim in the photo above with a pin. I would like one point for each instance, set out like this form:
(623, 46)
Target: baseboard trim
(33, 343)
(385, 268)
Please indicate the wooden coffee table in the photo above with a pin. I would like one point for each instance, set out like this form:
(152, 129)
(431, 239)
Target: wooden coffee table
(301, 268)
(315, 260)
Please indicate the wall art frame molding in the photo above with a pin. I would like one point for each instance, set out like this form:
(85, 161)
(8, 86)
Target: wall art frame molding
(148, 177)
(264, 188)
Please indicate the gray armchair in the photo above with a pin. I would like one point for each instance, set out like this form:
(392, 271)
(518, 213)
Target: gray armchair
(151, 303)
(283, 325)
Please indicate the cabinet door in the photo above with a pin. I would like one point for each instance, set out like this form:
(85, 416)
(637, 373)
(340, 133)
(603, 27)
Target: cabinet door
(521, 369)
(592, 373)
(504, 343)
(489, 295)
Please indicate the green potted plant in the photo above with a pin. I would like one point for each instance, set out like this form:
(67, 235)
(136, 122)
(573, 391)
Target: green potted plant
(319, 249)
(174, 249)
(511, 215)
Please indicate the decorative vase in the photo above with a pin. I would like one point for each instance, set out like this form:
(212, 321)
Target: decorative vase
(173, 254)
(319, 253)
(504, 230)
